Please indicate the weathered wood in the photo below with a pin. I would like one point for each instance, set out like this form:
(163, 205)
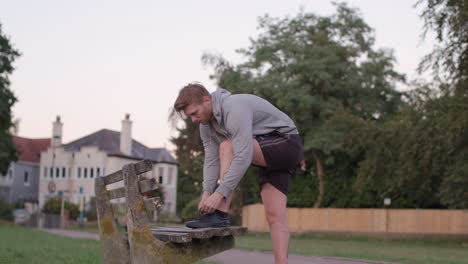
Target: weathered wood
(144, 244)
(117, 193)
(113, 177)
(199, 233)
(144, 186)
(147, 185)
(173, 237)
(140, 167)
(114, 248)
(144, 248)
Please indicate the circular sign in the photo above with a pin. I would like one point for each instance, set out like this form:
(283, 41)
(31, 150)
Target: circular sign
(51, 186)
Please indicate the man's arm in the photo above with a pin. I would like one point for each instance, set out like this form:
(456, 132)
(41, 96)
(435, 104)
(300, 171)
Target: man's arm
(211, 163)
(239, 123)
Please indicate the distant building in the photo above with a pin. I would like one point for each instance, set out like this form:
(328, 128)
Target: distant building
(71, 168)
(20, 184)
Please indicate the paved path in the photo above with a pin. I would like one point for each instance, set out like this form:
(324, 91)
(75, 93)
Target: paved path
(71, 233)
(235, 256)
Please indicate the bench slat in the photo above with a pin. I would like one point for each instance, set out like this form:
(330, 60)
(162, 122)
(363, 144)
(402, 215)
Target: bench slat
(201, 233)
(117, 193)
(173, 237)
(145, 186)
(140, 167)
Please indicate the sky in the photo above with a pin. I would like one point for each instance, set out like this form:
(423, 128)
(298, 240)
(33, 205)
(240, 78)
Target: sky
(91, 62)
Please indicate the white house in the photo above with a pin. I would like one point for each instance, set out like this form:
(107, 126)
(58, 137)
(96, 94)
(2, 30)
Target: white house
(71, 168)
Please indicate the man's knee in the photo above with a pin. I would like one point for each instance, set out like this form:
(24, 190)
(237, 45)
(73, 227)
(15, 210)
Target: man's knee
(275, 217)
(225, 149)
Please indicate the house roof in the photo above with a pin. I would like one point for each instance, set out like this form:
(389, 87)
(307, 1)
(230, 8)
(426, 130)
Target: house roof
(30, 149)
(109, 141)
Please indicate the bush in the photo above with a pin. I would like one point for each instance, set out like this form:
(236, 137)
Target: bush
(53, 206)
(190, 211)
(5, 210)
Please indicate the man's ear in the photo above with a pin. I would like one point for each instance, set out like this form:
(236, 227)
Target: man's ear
(206, 99)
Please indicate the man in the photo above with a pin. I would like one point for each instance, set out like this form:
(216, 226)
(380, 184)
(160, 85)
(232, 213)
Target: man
(237, 131)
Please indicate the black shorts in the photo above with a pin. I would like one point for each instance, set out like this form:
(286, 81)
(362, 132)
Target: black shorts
(282, 153)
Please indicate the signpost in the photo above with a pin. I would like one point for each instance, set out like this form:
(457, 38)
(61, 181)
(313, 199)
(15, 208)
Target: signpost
(82, 201)
(62, 208)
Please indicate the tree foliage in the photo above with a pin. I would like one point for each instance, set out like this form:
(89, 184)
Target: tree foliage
(54, 205)
(364, 140)
(7, 99)
(419, 156)
(312, 67)
(449, 20)
(189, 152)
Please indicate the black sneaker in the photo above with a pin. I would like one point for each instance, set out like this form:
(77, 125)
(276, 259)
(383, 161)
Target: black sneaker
(215, 219)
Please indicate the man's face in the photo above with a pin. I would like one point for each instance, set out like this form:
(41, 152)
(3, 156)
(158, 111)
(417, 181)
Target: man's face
(200, 113)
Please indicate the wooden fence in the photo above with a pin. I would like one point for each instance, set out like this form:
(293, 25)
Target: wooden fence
(363, 220)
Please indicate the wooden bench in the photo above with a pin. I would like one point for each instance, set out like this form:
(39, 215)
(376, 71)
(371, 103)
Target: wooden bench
(144, 242)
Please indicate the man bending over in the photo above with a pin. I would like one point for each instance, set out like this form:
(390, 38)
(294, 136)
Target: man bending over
(238, 130)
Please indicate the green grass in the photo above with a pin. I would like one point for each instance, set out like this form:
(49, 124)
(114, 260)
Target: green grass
(25, 245)
(90, 227)
(20, 245)
(377, 249)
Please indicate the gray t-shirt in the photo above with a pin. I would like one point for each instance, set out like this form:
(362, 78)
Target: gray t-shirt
(239, 117)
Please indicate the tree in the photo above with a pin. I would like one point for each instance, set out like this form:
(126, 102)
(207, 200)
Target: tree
(189, 152)
(449, 20)
(312, 67)
(7, 99)
(418, 158)
(54, 205)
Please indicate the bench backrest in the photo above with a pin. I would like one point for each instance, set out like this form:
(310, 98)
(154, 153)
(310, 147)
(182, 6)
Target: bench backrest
(116, 247)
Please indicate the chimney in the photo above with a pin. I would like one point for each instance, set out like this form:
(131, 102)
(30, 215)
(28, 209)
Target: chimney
(57, 133)
(126, 136)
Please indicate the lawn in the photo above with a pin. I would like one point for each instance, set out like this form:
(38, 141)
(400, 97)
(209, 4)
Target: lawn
(20, 245)
(25, 245)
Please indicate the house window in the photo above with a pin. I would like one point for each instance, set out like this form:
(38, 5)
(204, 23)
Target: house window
(79, 172)
(171, 173)
(63, 172)
(91, 172)
(98, 172)
(85, 174)
(161, 171)
(57, 172)
(45, 172)
(26, 178)
(69, 172)
(51, 174)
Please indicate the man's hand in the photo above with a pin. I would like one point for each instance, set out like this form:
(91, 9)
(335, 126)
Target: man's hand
(204, 196)
(212, 203)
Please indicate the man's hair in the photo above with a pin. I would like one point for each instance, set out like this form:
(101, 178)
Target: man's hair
(192, 93)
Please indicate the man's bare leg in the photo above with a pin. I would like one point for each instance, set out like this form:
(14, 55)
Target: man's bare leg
(273, 200)
(276, 214)
(226, 155)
